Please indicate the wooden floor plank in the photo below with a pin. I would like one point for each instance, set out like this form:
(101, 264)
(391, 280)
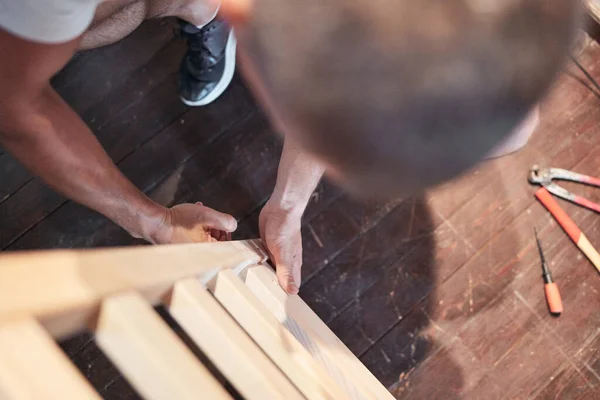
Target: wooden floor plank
(579, 379)
(472, 287)
(92, 75)
(400, 285)
(14, 176)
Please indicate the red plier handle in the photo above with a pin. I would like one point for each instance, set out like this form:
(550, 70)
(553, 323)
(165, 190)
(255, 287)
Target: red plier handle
(547, 176)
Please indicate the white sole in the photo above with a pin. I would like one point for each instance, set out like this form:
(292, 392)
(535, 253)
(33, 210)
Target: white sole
(225, 79)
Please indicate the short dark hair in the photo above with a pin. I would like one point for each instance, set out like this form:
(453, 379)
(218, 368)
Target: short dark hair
(404, 94)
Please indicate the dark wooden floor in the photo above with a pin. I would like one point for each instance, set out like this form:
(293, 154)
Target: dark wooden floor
(439, 294)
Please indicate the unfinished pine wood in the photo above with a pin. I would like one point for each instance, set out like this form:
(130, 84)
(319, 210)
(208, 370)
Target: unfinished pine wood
(33, 367)
(69, 285)
(312, 332)
(593, 8)
(149, 354)
(232, 351)
(275, 340)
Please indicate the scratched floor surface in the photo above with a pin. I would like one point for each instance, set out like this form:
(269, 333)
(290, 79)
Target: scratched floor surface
(439, 294)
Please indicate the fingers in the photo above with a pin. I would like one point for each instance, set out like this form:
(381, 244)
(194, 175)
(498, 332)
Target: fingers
(288, 264)
(217, 220)
(220, 235)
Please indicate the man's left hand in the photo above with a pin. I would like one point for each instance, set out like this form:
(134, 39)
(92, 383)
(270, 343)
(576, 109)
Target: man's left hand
(280, 233)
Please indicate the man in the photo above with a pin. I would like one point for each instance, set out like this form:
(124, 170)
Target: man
(386, 96)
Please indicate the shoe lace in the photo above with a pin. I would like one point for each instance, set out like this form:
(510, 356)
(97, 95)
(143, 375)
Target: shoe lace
(201, 55)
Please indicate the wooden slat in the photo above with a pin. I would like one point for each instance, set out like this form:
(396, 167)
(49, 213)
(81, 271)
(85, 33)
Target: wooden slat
(311, 331)
(593, 8)
(33, 367)
(149, 354)
(275, 340)
(69, 285)
(236, 356)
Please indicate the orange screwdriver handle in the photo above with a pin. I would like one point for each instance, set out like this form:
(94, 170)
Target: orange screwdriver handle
(553, 298)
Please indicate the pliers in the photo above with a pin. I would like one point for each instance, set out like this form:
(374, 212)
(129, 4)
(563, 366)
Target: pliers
(545, 178)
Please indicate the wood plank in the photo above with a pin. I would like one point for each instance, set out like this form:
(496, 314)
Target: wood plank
(443, 375)
(312, 332)
(149, 354)
(358, 267)
(119, 389)
(570, 383)
(397, 287)
(533, 359)
(33, 367)
(275, 340)
(593, 7)
(76, 343)
(579, 379)
(13, 174)
(92, 76)
(98, 369)
(337, 228)
(226, 344)
(70, 284)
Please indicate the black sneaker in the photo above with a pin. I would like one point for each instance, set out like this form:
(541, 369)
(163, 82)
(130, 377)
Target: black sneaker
(209, 63)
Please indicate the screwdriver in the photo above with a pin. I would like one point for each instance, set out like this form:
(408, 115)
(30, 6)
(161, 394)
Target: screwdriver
(552, 294)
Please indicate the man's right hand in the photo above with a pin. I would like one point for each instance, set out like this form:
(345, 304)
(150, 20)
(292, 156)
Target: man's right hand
(192, 223)
(50, 139)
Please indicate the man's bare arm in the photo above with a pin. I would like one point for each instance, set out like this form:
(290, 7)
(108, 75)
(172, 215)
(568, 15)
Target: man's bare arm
(50, 139)
(280, 220)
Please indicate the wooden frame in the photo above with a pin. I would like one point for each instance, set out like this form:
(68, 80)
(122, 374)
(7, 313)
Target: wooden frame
(593, 9)
(268, 345)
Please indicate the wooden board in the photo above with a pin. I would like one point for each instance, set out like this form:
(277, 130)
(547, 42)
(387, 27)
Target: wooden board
(275, 340)
(232, 351)
(593, 8)
(312, 332)
(33, 367)
(68, 288)
(149, 353)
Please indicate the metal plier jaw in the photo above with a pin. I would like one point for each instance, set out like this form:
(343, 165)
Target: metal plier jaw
(546, 177)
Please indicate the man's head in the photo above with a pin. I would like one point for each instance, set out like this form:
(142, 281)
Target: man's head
(396, 95)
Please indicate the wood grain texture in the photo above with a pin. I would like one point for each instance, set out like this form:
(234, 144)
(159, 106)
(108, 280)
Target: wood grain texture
(33, 367)
(314, 335)
(227, 345)
(416, 307)
(493, 209)
(70, 284)
(149, 354)
(275, 340)
(593, 7)
(14, 176)
(579, 380)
